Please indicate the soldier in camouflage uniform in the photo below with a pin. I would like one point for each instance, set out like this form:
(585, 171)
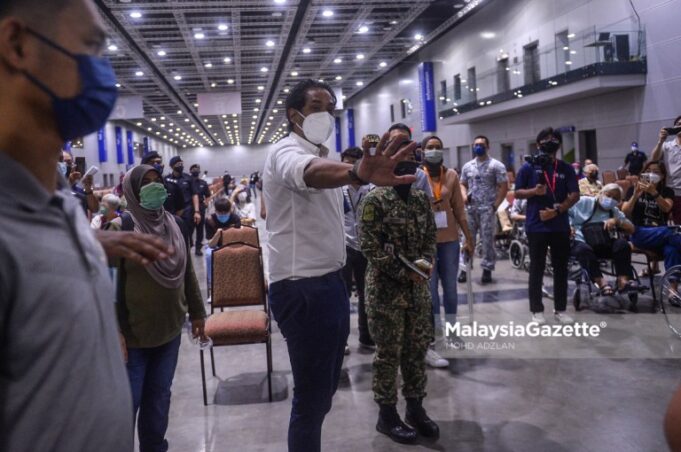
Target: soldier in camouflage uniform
(399, 221)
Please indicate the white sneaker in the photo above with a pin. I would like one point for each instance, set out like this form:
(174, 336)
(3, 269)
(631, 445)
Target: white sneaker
(433, 359)
(563, 318)
(538, 317)
(347, 349)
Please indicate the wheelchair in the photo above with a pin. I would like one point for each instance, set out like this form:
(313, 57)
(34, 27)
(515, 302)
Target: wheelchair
(587, 295)
(519, 250)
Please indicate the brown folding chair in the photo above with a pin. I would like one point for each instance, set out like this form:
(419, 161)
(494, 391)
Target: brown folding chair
(622, 174)
(624, 185)
(238, 281)
(609, 177)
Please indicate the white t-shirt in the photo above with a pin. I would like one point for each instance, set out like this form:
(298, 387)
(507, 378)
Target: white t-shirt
(672, 160)
(305, 230)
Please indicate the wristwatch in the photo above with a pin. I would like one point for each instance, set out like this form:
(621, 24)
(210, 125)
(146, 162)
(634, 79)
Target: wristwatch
(354, 174)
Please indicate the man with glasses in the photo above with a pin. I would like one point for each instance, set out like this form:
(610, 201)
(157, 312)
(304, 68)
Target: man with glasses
(670, 151)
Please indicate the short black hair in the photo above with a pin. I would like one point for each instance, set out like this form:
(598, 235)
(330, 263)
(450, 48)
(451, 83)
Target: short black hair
(195, 165)
(400, 126)
(549, 132)
(298, 96)
(677, 120)
(149, 156)
(223, 205)
(431, 137)
(353, 153)
(481, 137)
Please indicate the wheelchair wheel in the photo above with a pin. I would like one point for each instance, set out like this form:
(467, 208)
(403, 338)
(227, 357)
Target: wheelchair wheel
(670, 299)
(517, 254)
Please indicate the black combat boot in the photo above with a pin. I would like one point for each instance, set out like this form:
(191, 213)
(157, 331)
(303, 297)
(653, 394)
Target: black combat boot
(462, 277)
(486, 276)
(389, 423)
(417, 417)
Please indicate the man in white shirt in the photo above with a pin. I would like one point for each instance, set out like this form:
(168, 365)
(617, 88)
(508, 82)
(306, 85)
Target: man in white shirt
(306, 246)
(670, 151)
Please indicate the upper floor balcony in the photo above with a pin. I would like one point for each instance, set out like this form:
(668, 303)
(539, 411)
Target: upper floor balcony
(577, 65)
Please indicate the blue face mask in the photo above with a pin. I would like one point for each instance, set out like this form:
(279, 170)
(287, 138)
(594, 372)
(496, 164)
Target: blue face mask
(223, 218)
(607, 203)
(88, 111)
(479, 150)
(61, 167)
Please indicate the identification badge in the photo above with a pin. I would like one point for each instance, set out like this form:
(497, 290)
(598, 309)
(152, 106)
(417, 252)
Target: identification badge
(441, 219)
(389, 248)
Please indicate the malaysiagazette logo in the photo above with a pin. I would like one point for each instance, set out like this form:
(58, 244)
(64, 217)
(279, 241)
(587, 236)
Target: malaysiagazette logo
(522, 330)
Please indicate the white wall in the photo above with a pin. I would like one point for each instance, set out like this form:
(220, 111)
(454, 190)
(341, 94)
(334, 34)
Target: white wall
(91, 150)
(618, 118)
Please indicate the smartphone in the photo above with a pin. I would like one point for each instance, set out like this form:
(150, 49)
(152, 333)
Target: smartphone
(373, 140)
(673, 130)
(423, 264)
(91, 172)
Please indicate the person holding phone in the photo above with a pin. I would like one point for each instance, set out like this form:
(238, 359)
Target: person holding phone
(669, 151)
(550, 187)
(399, 232)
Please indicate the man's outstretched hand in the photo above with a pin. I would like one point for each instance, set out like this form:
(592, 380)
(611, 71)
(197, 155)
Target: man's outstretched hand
(379, 169)
(140, 248)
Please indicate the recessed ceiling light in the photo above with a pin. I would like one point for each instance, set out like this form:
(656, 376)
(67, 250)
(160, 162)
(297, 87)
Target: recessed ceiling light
(294, 74)
(139, 74)
(261, 88)
(279, 2)
(487, 35)
(286, 90)
(227, 60)
(230, 81)
(393, 22)
(199, 35)
(223, 27)
(136, 15)
(327, 13)
(139, 124)
(338, 60)
(234, 116)
(161, 53)
(264, 69)
(213, 85)
(178, 77)
(363, 29)
(307, 50)
(360, 83)
(113, 48)
(383, 64)
(360, 56)
(279, 102)
(208, 65)
(269, 43)
(118, 85)
(418, 36)
(257, 101)
(338, 77)
(275, 111)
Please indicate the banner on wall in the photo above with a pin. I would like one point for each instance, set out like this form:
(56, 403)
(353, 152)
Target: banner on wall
(131, 147)
(128, 107)
(211, 104)
(120, 158)
(339, 135)
(146, 145)
(350, 116)
(427, 94)
(340, 103)
(101, 140)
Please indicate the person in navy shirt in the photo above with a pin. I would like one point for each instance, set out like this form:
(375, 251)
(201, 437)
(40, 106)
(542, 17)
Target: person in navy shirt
(550, 187)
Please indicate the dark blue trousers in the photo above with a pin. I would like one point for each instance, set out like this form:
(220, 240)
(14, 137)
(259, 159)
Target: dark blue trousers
(151, 372)
(662, 240)
(314, 316)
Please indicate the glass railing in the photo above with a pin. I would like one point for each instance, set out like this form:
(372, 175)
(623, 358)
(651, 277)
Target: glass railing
(573, 57)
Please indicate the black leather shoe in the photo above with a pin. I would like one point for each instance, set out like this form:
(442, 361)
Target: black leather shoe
(198, 253)
(486, 276)
(390, 424)
(416, 416)
(462, 277)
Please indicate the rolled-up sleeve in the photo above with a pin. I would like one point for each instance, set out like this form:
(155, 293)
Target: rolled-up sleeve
(289, 165)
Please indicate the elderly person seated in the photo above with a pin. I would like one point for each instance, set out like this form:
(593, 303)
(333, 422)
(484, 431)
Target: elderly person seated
(593, 220)
(590, 185)
(109, 210)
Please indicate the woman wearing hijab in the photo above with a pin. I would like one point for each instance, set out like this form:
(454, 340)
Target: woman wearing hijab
(153, 301)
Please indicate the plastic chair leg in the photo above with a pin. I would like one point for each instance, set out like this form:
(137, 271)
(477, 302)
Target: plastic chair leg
(269, 368)
(203, 380)
(212, 360)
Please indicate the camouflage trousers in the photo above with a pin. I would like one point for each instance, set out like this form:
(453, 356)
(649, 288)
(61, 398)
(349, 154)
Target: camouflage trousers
(483, 221)
(402, 336)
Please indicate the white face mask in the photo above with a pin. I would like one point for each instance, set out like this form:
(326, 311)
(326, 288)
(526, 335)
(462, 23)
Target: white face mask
(317, 127)
(433, 155)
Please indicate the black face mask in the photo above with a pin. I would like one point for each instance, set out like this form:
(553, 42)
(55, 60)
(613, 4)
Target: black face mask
(550, 147)
(405, 168)
(179, 169)
(196, 173)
